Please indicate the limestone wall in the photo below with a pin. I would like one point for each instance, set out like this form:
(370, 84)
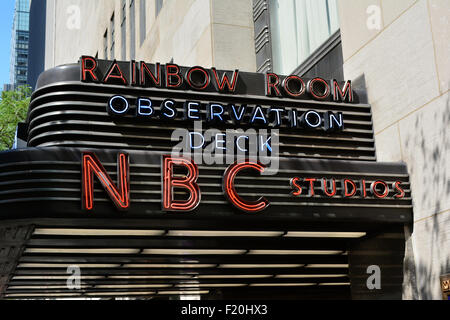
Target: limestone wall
(407, 72)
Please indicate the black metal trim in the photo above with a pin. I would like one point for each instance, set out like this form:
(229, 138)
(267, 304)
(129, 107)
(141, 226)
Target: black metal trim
(315, 57)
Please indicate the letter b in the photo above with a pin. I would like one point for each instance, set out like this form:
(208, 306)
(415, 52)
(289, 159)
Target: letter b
(188, 183)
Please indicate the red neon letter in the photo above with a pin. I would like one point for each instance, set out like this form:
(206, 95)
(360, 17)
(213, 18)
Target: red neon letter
(401, 192)
(373, 187)
(270, 84)
(342, 95)
(133, 72)
(289, 91)
(146, 73)
(322, 93)
(325, 189)
(230, 191)
(189, 182)
(220, 84)
(90, 166)
(85, 69)
(175, 74)
(195, 85)
(295, 185)
(363, 188)
(311, 186)
(116, 75)
(346, 193)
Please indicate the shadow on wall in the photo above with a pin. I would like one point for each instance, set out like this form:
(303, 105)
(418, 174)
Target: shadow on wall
(429, 281)
(431, 151)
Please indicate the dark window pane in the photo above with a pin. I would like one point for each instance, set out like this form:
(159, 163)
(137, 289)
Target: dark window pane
(142, 26)
(132, 31)
(298, 28)
(159, 4)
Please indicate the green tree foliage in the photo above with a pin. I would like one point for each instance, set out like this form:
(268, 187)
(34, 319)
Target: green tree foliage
(13, 109)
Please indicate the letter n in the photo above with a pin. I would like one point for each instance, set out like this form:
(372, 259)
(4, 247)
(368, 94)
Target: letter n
(120, 194)
(188, 183)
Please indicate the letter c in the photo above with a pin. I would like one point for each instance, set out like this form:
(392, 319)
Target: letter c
(231, 194)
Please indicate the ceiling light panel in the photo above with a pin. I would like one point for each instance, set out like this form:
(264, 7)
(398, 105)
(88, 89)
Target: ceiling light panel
(260, 265)
(281, 284)
(43, 287)
(181, 265)
(187, 292)
(66, 265)
(296, 252)
(193, 251)
(126, 293)
(54, 277)
(327, 266)
(335, 284)
(234, 276)
(308, 234)
(201, 233)
(42, 295)
(210, 285)
(281, 276)
(151, 277)
(128, 286)
(83, 250)
(98, 232)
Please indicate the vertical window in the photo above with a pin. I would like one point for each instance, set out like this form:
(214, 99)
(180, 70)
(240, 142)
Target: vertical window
(298, 27)
(158, 6)
(142, 22)
(132, 31)
(113, 42)
(105, 44)
(123, 30)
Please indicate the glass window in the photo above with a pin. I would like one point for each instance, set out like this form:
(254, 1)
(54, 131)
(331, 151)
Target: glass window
(298, 27)
(132, 31)
(113, 29)
(142, 22)
(123, 31)
(158, 7)
(105, 44)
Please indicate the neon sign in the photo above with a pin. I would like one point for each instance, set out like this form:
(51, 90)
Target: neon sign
(216, 113)
(189, 182)
(119, 195)
(145, 75)
(172, 76)
(172, 179)
(230, 191)
(349, 188)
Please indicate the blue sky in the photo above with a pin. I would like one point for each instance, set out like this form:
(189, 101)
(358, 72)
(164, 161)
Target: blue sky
(6, 20)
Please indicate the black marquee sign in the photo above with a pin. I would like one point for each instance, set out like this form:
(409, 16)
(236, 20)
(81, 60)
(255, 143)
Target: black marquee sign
(99, 156)
(133, 106)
